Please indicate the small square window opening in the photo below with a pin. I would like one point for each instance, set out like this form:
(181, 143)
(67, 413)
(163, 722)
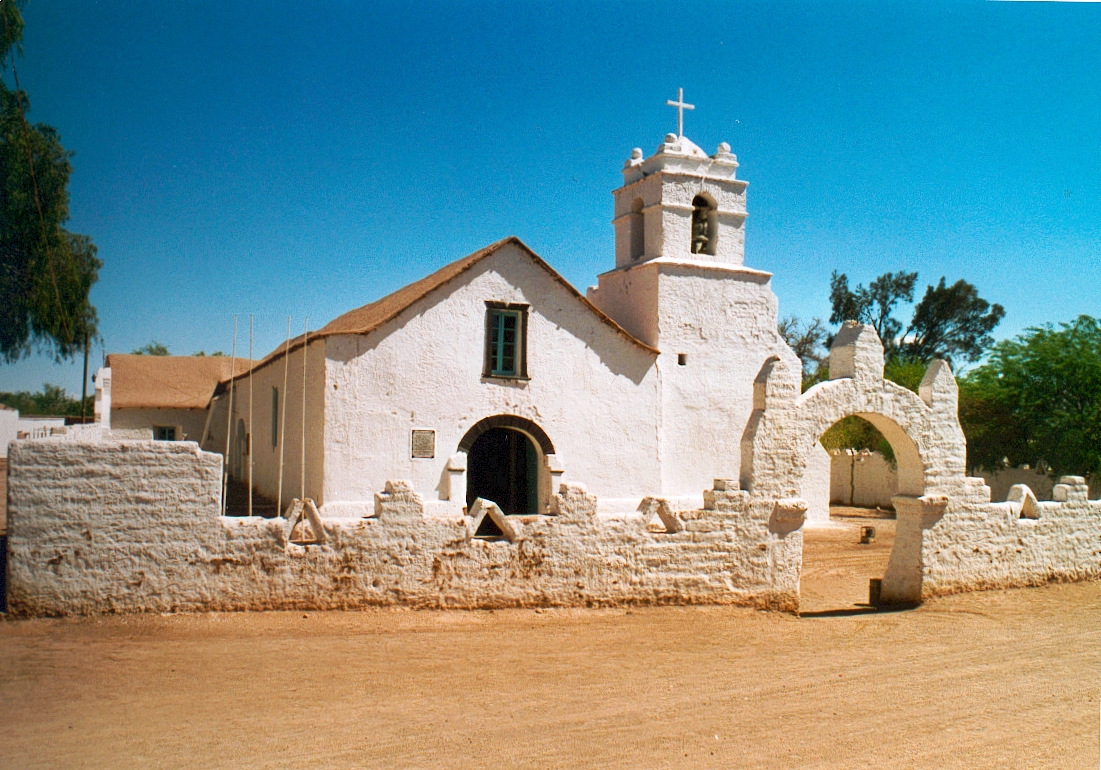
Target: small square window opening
(682, 359)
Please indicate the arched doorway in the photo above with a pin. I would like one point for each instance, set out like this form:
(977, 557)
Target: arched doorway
(506, 463)
(503, 467)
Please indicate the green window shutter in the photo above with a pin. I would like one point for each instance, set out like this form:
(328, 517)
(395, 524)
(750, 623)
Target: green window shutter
(504, 343)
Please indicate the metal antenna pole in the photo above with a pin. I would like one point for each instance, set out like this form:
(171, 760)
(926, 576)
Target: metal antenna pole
(248, 440)
(283, 417)
(229, 415)
(84, 386)
(302, 470)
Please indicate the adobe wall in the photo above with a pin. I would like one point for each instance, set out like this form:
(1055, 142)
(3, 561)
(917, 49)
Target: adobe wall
(949, 536)
(266, 453)
(863, 479)
(595, 393)
(135, 527)
(1021, 542)
(1004, 479)
(187, 422)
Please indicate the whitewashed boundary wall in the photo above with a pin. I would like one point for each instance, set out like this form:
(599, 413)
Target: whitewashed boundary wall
(1042, 484)
(1021, 542)
(866, 479)
(132, 526)
(135, 527)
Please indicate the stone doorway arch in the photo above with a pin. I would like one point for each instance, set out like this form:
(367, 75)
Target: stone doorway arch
(525, 461)
(923, 428)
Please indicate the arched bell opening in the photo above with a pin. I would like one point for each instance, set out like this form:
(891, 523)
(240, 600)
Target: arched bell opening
(705, 225)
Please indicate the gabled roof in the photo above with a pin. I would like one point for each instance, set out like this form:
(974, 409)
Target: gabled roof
(370, 317)
(168, 382)
(366, 319)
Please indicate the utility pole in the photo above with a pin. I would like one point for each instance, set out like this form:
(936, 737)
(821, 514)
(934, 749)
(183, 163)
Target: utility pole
(84, 386)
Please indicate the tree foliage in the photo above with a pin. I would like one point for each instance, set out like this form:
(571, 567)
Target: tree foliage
(950, 322)
(873, 305)
(153, 348)
(46, 272)
(52, 401)
(1037, 400)
(806, 340)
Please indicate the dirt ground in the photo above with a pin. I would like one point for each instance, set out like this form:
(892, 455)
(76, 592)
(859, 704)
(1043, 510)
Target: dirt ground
(994, 679)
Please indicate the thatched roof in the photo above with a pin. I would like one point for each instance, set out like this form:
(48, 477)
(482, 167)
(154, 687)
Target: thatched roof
(366, 319)
(167, 382)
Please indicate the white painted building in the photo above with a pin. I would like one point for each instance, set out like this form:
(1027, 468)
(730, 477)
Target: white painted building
(494, 377)
(15, 426)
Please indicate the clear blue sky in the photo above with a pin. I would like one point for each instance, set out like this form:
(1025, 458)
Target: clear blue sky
(299, 159)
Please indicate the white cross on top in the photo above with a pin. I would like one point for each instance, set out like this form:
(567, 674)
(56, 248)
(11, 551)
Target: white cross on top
(681, 107)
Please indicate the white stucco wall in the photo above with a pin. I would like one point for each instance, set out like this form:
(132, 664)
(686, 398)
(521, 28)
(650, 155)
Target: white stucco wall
(592, 390)
(134, 527)
(187, 422)
(9, 429)
(816, 486)
(723, 320)
(1041, 484)
(862, 479)
(266, 457)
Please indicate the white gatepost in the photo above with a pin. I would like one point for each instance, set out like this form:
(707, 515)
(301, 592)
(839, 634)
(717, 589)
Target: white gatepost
(456, 478)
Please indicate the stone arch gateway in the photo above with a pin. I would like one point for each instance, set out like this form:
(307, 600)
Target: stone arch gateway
(923, 428)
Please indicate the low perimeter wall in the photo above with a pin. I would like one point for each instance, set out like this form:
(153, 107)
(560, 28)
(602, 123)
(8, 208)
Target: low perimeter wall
(134, 526)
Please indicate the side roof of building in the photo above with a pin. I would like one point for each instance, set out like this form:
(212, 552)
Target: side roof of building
(168, 382)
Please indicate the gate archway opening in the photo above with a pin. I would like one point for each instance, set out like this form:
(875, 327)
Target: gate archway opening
(841, 558)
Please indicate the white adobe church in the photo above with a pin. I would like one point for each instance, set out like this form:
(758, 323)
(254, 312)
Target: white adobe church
(494, 377)
(650, 441)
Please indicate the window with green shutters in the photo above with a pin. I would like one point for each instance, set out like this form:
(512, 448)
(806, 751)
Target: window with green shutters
(505, 337)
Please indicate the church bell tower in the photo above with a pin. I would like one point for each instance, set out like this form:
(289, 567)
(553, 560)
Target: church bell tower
(680, 203)
(679, 284)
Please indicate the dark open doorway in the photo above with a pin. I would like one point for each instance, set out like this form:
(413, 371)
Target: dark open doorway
(503, 468)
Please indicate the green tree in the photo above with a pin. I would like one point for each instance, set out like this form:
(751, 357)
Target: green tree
(874, 305)
(53, 401)
(153, 348)
(46, 272)
(950, 322)
(1037, 400)
(807, 341)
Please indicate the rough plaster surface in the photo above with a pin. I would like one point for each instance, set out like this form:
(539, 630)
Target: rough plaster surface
(815, 488)
(129, 527)
(1041, 484)
(860, 478)
(187, 422)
